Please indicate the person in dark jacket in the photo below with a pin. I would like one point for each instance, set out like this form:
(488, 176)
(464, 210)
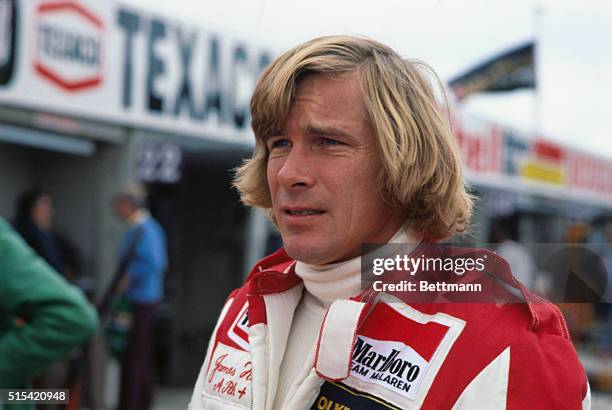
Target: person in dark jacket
(33, 221)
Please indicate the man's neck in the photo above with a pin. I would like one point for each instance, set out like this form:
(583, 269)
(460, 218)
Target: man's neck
(342, 280)
(137, 217)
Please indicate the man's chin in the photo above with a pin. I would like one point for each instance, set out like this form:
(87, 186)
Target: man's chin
(309, 255)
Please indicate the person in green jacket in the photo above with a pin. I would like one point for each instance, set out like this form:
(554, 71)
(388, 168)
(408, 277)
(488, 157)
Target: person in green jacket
(42, 317)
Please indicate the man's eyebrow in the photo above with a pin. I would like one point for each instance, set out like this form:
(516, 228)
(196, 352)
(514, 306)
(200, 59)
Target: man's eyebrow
(314, 129)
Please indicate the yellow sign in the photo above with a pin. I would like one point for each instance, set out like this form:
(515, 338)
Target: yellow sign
(543, 172)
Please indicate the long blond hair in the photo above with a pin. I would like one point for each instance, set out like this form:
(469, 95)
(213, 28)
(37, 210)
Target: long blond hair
(421, 173)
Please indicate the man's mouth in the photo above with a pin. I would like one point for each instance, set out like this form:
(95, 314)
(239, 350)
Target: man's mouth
(300, 211)
(303, 212)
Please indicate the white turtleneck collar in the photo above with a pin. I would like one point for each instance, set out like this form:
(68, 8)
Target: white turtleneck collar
(341, 280)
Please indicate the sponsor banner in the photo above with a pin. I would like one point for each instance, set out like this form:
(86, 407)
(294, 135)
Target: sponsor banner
(542, 172)
(68, 44)
(229, 375)
(546, 163)
(508, 71)
(493, 155)
(588, 172)
(108, 61)
(481, 144)
(112, 62)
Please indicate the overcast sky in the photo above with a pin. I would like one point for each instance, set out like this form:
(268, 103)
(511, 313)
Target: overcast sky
(574, 48)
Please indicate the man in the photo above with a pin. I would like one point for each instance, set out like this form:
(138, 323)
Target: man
(351, 149)
(516, 254)
(34, 222)
(143, 282)
(43, 317)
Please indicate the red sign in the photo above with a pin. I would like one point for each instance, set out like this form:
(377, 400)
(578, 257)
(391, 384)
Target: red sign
(550, 151)
(481, 148)
(590, 173)
(69, 45)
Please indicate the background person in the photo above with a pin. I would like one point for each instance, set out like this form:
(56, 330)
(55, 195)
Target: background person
(34, 222)
(42, 317)
(516, 254)
(143, 284)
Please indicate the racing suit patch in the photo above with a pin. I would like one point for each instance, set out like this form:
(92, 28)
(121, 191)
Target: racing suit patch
(239, 330)
(389, 364)
(338, 396)
(229, 375)
(394, 351)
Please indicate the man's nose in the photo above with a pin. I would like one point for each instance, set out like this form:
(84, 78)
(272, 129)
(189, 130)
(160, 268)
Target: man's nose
(297, 169)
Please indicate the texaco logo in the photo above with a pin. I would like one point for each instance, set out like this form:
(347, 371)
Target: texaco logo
(69, 45)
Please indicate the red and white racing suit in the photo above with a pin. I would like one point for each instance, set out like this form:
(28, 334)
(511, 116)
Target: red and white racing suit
(381, 353)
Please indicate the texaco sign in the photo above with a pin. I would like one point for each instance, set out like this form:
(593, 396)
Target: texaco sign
(69, 45)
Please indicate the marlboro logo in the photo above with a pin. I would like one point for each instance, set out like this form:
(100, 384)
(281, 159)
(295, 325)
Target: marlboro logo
(390, 364)
(365, 355)
(394, 351)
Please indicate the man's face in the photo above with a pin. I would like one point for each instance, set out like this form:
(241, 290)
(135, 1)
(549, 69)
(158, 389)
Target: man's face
(322, 172)
(42, 212)
(123, 209)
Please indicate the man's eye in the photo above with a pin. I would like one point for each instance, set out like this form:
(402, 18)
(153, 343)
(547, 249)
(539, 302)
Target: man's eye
(279, 143)
(330, 142)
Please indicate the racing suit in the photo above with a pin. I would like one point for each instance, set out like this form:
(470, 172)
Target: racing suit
(378, 352)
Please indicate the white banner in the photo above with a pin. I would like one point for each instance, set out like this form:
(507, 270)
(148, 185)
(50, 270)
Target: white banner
(106, 61)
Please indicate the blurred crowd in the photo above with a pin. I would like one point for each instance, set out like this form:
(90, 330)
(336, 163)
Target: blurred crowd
(49, 317)
(575, 274)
